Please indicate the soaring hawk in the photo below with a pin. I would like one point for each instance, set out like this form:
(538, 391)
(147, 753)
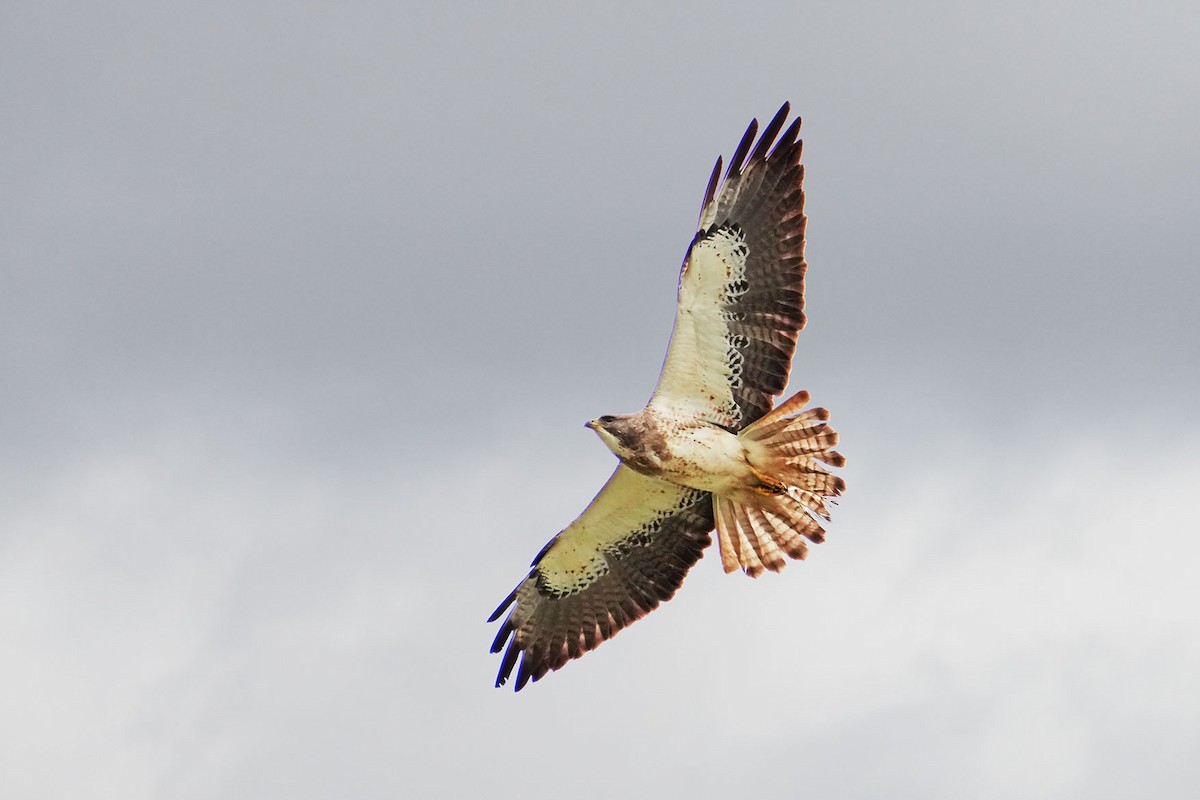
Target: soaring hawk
(708, 449)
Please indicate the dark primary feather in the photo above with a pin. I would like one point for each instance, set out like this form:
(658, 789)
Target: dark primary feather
(770, 132)
(739, 155)
(713, 181)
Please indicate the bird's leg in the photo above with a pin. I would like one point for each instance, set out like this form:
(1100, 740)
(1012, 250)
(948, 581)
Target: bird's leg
(767, 485)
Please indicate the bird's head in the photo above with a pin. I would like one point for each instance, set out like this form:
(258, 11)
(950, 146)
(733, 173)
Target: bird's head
(617, 432)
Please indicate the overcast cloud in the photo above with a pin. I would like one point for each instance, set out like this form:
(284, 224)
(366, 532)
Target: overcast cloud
(303, 306)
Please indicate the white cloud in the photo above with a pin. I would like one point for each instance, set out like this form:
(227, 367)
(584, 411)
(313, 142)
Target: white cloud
(196, 630)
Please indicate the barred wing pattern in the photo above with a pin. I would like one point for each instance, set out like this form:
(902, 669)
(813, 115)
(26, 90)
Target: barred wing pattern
(741, 289)
(627, 552)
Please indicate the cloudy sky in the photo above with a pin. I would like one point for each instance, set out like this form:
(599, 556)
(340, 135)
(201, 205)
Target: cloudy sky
(303, 306)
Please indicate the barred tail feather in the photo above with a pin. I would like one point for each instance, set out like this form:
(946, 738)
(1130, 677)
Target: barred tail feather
(790, 450)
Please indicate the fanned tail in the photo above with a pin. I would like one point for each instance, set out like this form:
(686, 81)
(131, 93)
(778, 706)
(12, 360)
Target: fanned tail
(789, 450)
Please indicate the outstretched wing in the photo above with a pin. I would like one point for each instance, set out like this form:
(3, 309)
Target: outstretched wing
(628, 551)
(741, 289)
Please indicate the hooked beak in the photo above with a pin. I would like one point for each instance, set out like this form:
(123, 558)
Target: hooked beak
(592, 423)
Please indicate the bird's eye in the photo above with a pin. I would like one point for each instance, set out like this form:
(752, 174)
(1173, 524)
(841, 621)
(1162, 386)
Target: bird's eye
(607, 418)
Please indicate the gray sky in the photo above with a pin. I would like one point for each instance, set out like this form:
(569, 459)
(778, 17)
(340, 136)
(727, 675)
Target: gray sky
(302, 309)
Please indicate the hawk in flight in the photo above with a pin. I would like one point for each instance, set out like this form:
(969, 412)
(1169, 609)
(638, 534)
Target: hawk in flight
(708, 449)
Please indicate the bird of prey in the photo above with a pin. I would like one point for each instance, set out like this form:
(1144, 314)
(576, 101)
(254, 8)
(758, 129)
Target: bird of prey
(708, 449)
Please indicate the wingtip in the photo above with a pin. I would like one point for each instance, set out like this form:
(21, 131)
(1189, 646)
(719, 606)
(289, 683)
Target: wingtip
(713, 181)
(504, 604)
(507, 662)
(523, 675)
(770, 132)
(743, 148)
(791, 138)
(750, 151)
